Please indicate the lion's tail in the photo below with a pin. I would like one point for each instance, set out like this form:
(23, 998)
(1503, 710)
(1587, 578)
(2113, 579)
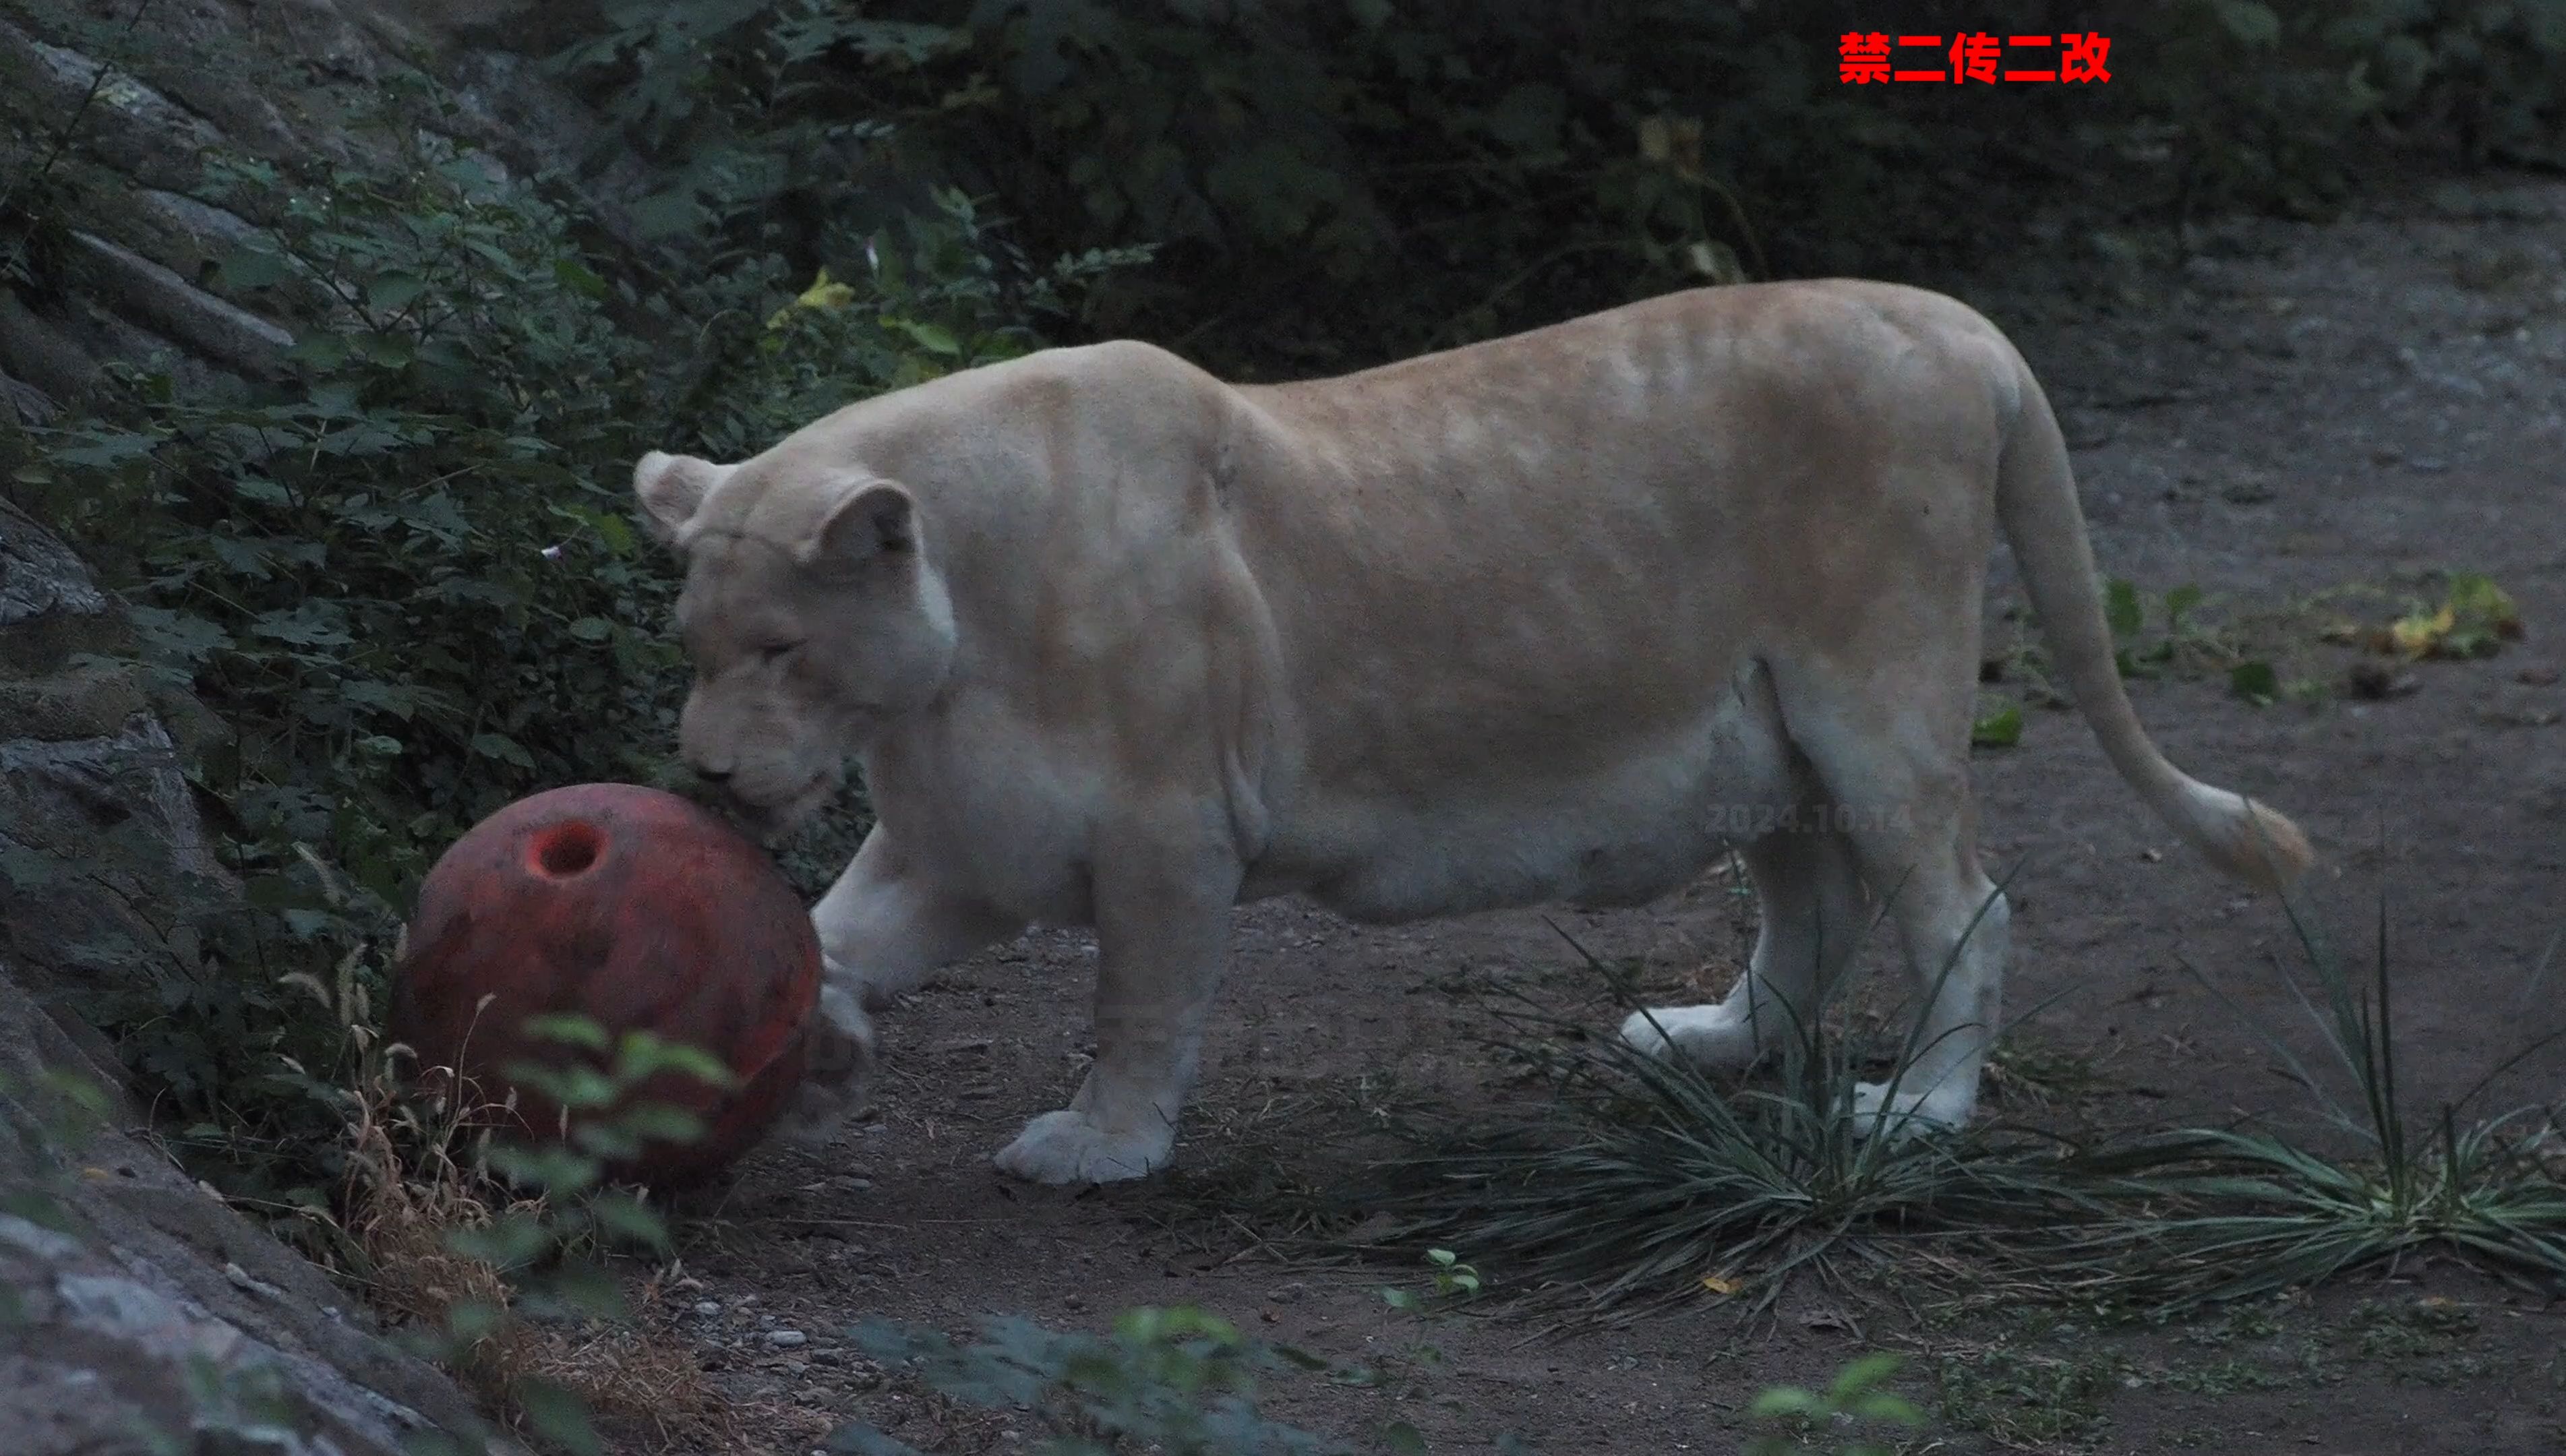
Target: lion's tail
(2036, 505)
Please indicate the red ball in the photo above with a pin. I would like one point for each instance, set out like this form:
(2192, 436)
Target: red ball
(638, 910)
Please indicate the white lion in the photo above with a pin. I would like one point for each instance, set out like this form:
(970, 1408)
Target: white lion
(1561, 616)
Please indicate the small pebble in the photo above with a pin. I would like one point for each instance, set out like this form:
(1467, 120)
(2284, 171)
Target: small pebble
(708, 1308)
(785, 1338)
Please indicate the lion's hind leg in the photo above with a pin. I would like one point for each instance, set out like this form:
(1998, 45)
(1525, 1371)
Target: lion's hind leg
(1809, 896)
(1897, 771)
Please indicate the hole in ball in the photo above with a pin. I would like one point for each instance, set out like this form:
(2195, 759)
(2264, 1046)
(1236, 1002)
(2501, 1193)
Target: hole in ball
(567, 850)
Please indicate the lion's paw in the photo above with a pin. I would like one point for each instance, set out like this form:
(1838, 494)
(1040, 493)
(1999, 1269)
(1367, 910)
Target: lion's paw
(1071, 1147)
(1909, 1114)
(837, 1072)
(1706, 1036)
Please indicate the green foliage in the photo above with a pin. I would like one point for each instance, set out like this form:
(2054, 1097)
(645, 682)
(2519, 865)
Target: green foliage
(402, 572)
(544, 1247)
(2236, 1213)
(1998, 727)
(1178, 1380)
(2138, 653)
(1337, 184)
(1481, 159)
(1646, 1180)
(1815, 1421)
(1450, 1279)
(400, 576)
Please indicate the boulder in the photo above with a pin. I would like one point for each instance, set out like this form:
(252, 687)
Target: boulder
(109, 230)
(140, 1314)
(102, 855)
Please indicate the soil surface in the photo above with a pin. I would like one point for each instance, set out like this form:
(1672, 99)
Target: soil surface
(2289, 411)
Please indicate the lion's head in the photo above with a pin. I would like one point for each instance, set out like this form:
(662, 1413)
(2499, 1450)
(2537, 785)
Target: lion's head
(811, 614)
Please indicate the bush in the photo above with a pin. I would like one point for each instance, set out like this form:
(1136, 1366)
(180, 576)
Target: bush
(1334, 186)
(404, 572)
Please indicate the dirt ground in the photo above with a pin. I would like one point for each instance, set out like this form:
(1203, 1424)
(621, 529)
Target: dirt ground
(2293, 409)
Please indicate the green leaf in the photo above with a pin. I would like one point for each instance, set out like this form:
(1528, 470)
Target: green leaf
(2001, 728)
(2255, 682)
(630, 1218)
(107, 450)
(2179, 602)
(1786, 1401)
(567, 1028)
(578, 278)
(470, 1320)
(252, 268)
(936, 338)
(392, 292)
(2122, 609)
(644, 1055)
(554, 1170)
(558, 1416)
(509, 1241)
(2249, 22)
(592, 629)
(661, 1122)
(500, 746)
(1861, 1375)
(1402, 1437)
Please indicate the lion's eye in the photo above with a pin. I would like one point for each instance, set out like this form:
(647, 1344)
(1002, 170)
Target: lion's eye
(776, 653)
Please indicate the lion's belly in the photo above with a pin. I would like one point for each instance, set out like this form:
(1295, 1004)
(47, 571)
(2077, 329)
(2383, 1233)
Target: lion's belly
(1641, 828)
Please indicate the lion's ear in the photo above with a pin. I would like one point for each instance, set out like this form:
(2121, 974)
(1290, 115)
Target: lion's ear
(672, 489)
(873, 518)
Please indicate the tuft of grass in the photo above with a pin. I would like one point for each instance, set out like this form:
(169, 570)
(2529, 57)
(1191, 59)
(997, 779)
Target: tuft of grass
(498, 1275)
(1646, 1181)
(2233, 1213)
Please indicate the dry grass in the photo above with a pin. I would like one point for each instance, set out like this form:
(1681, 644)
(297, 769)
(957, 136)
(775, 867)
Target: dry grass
(416, 1178)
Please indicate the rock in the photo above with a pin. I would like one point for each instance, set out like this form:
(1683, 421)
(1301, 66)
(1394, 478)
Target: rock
(179, 311)
(106, 129)
(102, 855)
(146, 1308)
(785, 1338)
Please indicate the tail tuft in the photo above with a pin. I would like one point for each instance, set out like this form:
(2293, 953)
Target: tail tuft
(2257, 844)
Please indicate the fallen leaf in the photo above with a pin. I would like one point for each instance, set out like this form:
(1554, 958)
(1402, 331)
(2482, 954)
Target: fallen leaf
(2474, 621)
(2419, 634)
(1720, 1284)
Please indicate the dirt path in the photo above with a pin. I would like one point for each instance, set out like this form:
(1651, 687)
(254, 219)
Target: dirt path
(2298, 408)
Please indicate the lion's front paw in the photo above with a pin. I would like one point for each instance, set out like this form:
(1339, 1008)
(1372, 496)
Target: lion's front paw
(1072, 1147)
(837, 1072)
(1706, 1036)
(1910, 1113)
